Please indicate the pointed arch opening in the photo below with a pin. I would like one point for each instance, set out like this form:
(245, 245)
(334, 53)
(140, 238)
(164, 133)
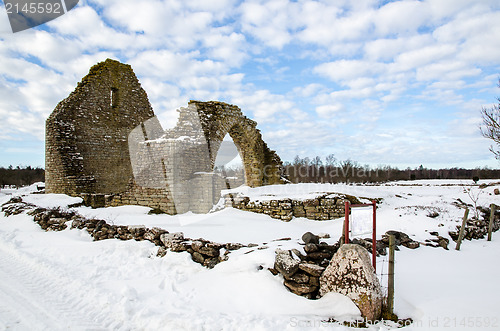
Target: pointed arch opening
(228, 163)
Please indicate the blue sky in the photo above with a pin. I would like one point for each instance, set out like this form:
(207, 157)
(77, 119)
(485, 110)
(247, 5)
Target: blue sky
(380, 82)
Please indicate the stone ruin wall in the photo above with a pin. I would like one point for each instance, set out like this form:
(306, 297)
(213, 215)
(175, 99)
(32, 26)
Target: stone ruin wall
(105, 144)
(324, 207)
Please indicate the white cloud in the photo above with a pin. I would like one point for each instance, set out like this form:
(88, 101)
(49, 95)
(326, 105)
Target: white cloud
(262, 104)
(329, 110)
(384, 49)
(268, 21)
(341, 70)
(423, 56)
(401, 17)
(308, 90)
(446, 70)
(226, 46)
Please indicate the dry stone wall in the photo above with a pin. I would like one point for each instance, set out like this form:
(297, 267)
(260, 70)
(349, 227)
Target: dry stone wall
(324, 207)
(104, 142)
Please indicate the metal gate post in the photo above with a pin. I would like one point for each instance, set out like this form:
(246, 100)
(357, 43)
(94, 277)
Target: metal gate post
(374, 236)
(346, 223)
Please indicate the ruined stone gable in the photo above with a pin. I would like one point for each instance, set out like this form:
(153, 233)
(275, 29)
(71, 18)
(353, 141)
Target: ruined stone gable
(87, 133)
(104, 142)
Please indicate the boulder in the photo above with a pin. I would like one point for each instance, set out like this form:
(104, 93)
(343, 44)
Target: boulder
(350, 273)
(285, 263)
(310, 238)
(399, 237)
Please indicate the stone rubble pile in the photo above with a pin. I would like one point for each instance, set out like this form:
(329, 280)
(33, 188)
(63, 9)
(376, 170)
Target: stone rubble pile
(301, 272)
(325, 268)
(477, 229)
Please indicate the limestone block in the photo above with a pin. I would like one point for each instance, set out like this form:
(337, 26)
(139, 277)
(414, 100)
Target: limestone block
(350, 273)
(285, 263)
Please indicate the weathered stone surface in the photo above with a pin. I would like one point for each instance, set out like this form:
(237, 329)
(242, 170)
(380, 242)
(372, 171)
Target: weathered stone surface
(299, 277)
(172, 236)
(350, 273)
(324, 207)
(87, 133)
(310, 248)
(233, 246)
(314, 281)
(285, 263)
(298, 254)
(200, 247)
(197, 257)
(412, 244)
(320, 255)
(312, 269)
(210, 263)
(154, 234)
(161, 252)
(399, 237)
(174, 241)
(310, 238)
(300, 289)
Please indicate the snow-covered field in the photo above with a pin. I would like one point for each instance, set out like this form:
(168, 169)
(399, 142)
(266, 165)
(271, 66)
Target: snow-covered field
(64, 280)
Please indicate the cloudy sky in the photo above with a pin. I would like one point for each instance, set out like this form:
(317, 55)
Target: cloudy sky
(379, 82)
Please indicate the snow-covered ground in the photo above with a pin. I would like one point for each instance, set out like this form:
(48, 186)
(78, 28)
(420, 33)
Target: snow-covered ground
(64, 280)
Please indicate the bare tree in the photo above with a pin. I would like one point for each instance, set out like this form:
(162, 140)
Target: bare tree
(347, 168)
(491, 126)
(331, 160)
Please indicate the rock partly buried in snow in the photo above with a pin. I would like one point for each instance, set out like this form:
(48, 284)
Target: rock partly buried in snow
(285, 263)
(174, 241)
(300, 289)
(310, 238)
(350, 273)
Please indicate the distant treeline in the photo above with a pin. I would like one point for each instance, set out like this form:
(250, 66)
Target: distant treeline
(315, 170)
(20, 176)
(304, 170)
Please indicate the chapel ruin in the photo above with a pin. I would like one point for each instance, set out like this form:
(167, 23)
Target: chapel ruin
(104, 143)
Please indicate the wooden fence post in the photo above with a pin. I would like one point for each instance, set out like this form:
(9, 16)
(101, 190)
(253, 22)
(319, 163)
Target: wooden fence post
(462, 229)
(390, 285)
(492, 218)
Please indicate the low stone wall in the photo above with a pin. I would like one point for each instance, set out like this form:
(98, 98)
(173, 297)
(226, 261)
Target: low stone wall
(324, 207)
(204, 252)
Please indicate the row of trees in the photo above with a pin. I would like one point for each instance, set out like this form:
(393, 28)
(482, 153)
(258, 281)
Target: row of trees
(303, 170)
(316, 170)
(20, 176)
